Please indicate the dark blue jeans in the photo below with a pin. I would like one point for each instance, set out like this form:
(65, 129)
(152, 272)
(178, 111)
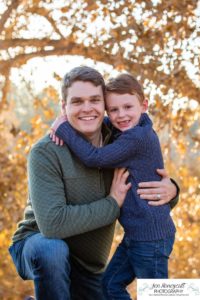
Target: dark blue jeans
(135, 259)
(55, 274)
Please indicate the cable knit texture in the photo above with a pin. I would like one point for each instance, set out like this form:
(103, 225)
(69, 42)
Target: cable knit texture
(69, 201)
(138, 150)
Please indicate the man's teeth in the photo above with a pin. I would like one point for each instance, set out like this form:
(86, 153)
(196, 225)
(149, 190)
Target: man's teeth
(87, 118)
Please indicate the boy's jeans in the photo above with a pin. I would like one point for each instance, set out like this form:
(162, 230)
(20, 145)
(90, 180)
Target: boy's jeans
(56, 276)
(135, 259)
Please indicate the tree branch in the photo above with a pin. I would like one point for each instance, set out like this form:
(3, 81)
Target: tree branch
(69, 47)
(43, 12)
(7, 13)
(5, 89)
(5, 44)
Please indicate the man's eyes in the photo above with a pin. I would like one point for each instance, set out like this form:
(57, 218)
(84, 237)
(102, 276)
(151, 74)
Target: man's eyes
(96, 100)
(76, 101)
(79, 101)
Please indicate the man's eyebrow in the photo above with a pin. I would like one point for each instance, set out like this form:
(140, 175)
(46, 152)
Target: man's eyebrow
(81, 98)
(76, 98)
(95, 96)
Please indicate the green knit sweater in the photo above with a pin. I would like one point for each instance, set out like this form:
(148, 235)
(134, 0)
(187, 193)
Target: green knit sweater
(70, 201)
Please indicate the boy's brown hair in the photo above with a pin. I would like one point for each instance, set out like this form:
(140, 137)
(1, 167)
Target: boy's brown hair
(125, 84)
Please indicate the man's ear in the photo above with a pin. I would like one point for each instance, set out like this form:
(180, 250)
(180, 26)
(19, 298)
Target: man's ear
(145, 105)
(63, 107)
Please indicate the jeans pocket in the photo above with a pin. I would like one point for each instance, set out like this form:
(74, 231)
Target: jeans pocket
(15, 251)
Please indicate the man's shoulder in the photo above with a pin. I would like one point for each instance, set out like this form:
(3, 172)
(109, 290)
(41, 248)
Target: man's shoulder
(45, 145)
(42, 143)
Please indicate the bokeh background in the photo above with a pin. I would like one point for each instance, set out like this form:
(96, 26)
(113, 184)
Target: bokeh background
(157, 41)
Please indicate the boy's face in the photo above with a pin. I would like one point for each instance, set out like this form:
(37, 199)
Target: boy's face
(124, 110)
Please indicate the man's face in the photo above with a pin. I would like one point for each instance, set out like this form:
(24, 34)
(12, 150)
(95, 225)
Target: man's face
(124, 110)
(85, 108)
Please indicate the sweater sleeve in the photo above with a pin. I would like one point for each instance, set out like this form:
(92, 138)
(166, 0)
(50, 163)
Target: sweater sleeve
(56, 218)
(175, 200)
(117, 154)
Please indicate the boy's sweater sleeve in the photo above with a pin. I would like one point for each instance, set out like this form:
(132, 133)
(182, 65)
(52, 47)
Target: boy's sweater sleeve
(114, 155)
(56, 218)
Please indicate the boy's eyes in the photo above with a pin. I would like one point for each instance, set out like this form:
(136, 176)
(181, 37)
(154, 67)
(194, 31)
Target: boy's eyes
(116, 109)
(112, 110)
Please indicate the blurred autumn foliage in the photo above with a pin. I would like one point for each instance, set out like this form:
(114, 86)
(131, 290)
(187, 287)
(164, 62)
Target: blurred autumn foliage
(159, 42)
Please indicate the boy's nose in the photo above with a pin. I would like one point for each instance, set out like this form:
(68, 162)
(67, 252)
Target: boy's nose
(120, 113)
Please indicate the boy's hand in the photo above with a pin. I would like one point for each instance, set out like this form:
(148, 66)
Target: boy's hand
(159, 192)
(56, 139)
(58, 121)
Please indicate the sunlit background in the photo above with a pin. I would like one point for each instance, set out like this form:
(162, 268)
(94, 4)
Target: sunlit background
(157, 41)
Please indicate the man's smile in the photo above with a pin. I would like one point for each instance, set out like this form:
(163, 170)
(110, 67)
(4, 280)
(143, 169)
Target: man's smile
(87, 118)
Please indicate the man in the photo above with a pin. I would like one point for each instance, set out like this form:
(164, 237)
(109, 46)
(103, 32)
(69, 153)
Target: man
(64, 241)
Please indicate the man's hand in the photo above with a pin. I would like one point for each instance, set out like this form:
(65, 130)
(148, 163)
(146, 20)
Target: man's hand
(119, 186)
(159, 192)
(58, 121)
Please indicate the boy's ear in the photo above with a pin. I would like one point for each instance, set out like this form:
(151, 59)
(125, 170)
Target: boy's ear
(145, 104)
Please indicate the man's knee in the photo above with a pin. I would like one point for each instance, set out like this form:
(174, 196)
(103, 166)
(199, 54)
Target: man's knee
(53, 252)
(47, 253)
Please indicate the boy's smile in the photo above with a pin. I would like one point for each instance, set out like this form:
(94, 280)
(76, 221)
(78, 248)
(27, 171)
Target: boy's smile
(124, 110)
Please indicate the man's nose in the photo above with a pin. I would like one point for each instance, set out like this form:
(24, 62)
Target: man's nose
(87, 106)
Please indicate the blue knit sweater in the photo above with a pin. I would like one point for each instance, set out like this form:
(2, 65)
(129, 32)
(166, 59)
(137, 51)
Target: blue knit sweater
(138, 150)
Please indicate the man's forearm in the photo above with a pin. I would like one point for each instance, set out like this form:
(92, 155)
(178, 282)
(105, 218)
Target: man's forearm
(55, 217)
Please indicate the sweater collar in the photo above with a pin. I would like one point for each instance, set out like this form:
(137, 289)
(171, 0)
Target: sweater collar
(145, 120)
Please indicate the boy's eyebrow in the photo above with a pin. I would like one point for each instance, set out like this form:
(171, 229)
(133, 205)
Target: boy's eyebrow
(111, 107)
(126, 103)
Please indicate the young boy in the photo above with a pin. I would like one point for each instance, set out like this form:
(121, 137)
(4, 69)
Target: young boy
(148, 230)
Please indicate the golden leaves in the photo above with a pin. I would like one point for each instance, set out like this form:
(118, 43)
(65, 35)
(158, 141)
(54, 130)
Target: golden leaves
(91, 5)
(163, 40)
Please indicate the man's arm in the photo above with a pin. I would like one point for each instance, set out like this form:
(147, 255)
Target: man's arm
(167, 190)
(56, 218)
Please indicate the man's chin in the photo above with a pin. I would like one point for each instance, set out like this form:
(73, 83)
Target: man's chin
(88, 130)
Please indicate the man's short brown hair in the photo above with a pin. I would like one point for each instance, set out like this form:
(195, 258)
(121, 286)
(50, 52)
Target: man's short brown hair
(82, 73)
(125, 84)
